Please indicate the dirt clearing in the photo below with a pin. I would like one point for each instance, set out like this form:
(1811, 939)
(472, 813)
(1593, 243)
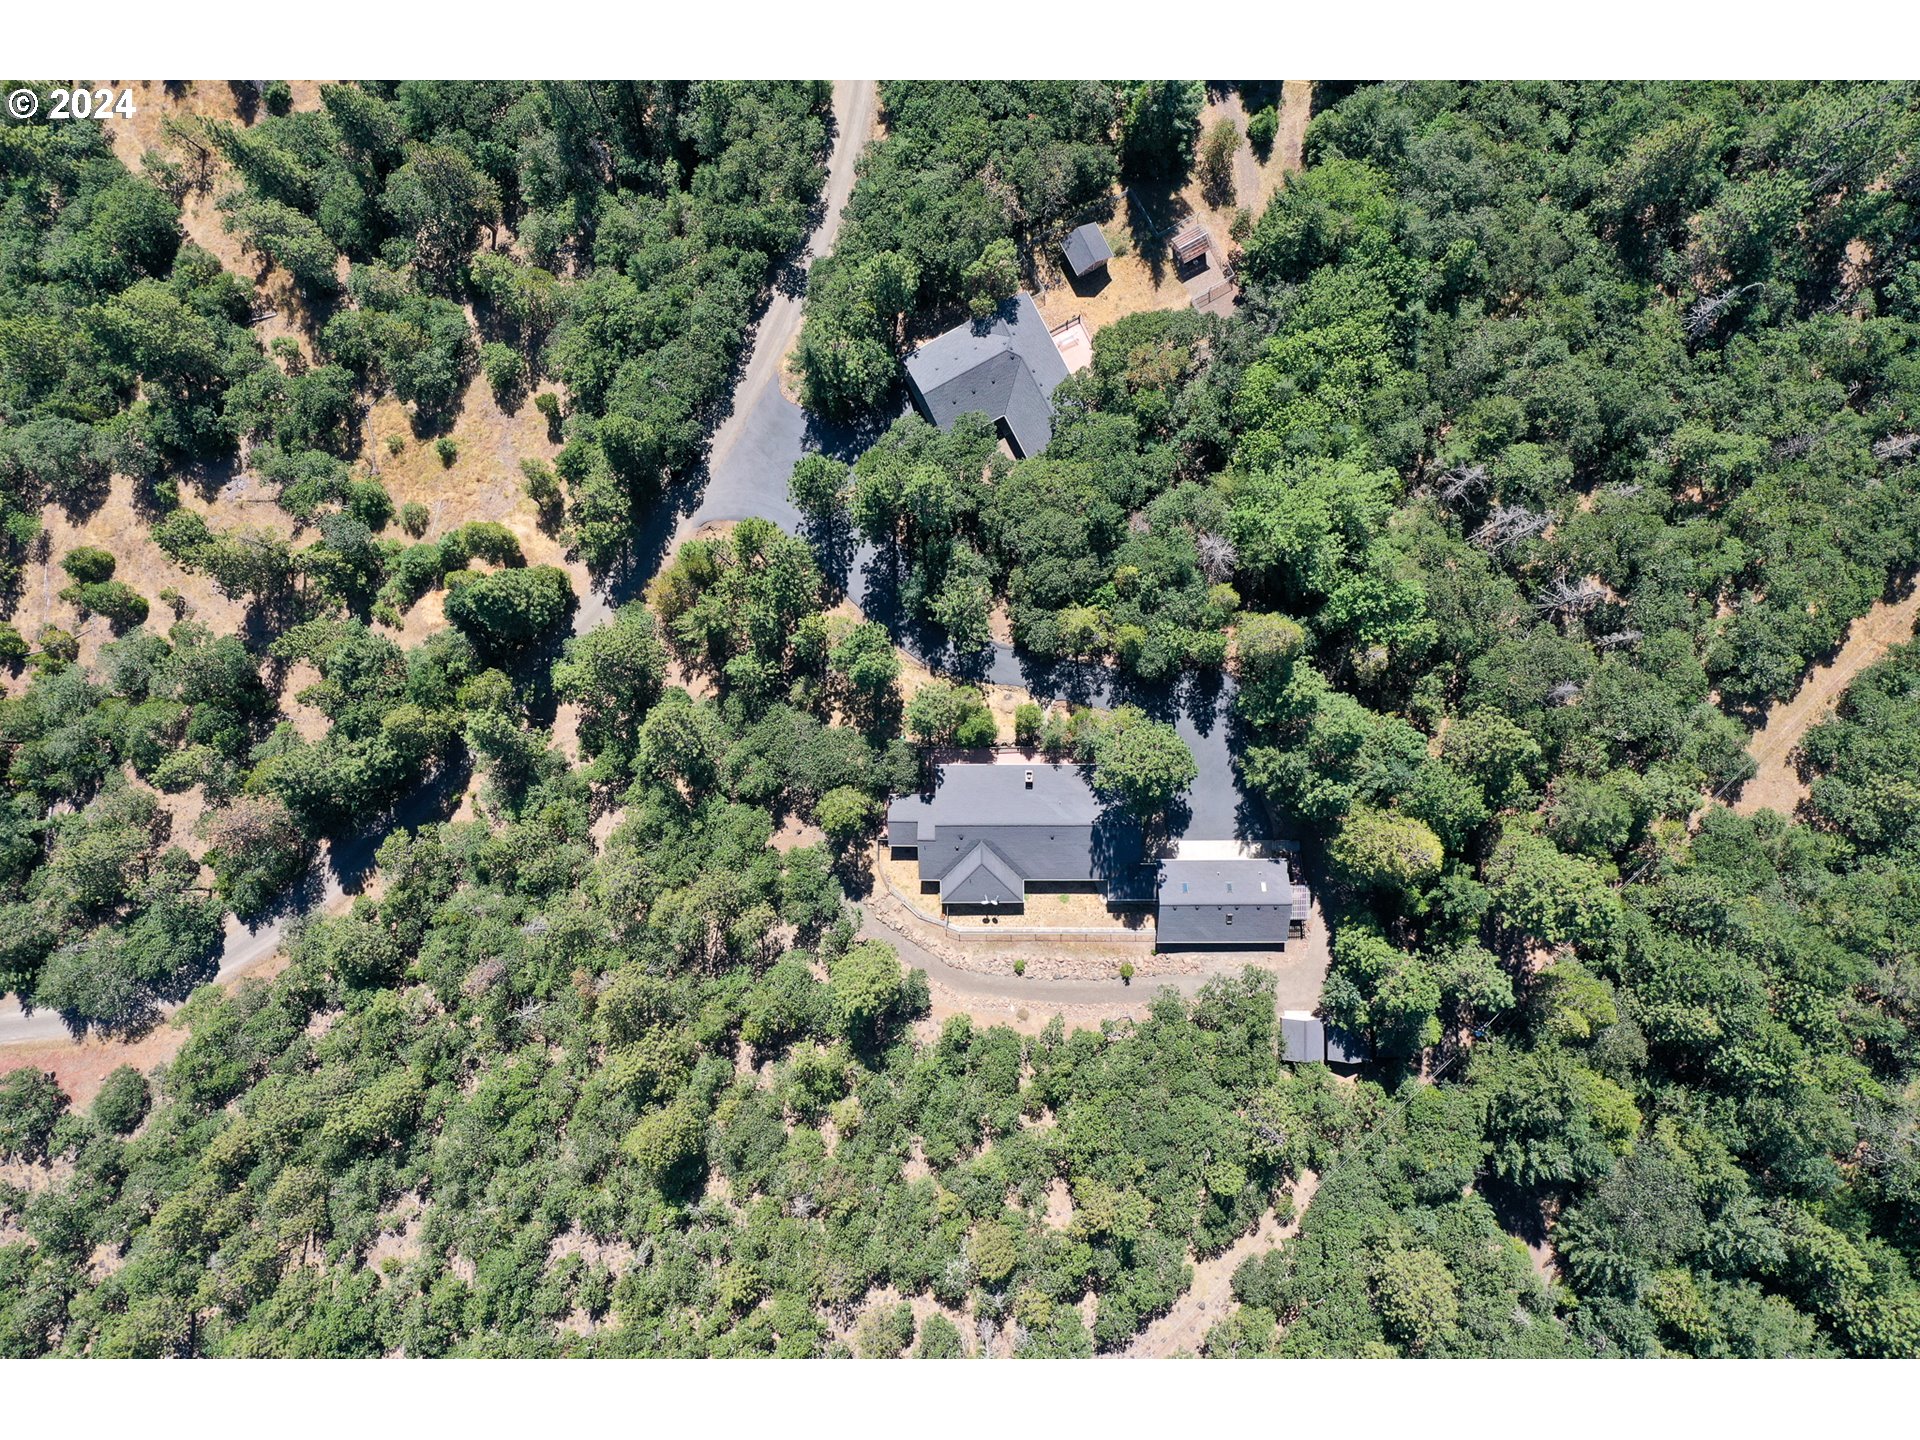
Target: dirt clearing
(1209, 1299)
(1776, 784)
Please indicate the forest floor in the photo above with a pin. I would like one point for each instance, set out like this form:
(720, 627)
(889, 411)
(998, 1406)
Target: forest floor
(1209, 1299)
(1776, 784)
(1141, 277)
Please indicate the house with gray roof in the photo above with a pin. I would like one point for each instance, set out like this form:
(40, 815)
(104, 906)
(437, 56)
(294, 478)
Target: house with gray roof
(1225, 902)
(1086, 251)
(1004, 367)
(986, 833)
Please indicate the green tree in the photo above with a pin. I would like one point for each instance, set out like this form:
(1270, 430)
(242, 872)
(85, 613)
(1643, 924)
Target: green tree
(866, 987)
(1143, 762)
(1418, 1296)
(818, 488)
(614, 673)
(994, 277)
(1161, 124)
(508, 610)
(31, 1102)
(845, 814)
(1552, 896)
(1379, 850)
(122, 1102)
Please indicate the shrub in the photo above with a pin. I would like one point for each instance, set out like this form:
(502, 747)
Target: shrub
(1027, 720)
(413, 518)
(13, 645)
(278, 97)
(123, 606)
(1262, 128)
(122, 1102)
(543, 488)
(88, 565)
(446, 450)
(58, 648)
(506, 372)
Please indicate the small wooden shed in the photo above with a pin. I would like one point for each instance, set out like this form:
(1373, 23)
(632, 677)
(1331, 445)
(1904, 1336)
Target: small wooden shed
(1190, 246)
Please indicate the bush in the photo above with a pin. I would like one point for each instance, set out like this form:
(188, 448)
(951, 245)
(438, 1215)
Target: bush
(13, 645)
(446, 450)
(506, 372)
(413, 518)
(1027, 720)
(122, 1102)
(1262, 128)
(278, 97)
(947, 714)
(88, 565)
(123, 606)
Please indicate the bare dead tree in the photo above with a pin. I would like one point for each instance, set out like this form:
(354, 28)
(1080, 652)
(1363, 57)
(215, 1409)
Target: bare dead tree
(1508, 525)
(1617, 639)
(1897, 447)
(1705, 312)
(1571, 597)
(1565, 693)
(1218, 557)
(1462, 483)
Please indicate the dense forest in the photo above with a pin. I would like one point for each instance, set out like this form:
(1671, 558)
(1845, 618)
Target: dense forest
(1561, 429)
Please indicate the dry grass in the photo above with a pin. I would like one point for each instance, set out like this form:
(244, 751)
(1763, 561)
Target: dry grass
(82, 1066)
(154, 102)
(483, 482)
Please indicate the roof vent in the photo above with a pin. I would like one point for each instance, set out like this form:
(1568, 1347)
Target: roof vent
(1029, 779)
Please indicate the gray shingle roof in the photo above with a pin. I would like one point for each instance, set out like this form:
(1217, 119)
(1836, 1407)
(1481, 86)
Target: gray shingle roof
(1344, 1047)
(982, 878)
(1059, 830)
(1005, 367)
(995, 795)
(1086, 249)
